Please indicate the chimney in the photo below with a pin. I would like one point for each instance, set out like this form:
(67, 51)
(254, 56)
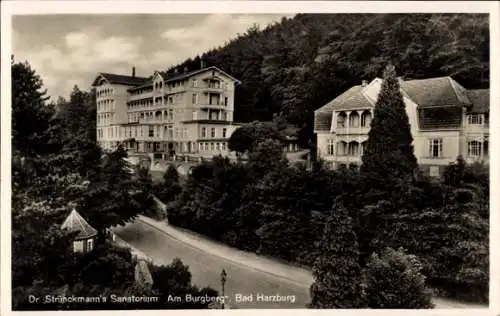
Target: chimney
(202, 64)
(364, 83)
(133, 71)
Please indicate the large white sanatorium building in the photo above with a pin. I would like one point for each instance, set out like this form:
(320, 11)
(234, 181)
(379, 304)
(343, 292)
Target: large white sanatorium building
(187, 114)
(446, 121)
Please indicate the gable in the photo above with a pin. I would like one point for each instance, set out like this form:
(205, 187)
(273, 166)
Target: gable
(99, 80)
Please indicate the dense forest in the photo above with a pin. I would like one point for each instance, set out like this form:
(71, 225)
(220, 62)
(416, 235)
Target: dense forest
(57, 166)
(297, 65)
(385, 229)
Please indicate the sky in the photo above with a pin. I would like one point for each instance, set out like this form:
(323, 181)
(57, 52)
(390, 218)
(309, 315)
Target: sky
(68, 50)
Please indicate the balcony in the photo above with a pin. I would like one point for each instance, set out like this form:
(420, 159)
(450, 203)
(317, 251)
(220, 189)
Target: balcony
(477, 128)
(135, 97)
(352, 130)
(213, 106)
(213, 88)
(348, 159)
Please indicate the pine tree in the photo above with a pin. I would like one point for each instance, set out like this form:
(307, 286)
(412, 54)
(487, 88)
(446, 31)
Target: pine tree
(388, 158)
(109, 200)
(336, 271)
(31, 114)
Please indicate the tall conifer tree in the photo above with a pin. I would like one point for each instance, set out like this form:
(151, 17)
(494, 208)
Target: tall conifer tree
(388, 157)
(337, 272)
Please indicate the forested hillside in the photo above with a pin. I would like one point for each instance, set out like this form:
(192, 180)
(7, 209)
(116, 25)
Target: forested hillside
(299, 64)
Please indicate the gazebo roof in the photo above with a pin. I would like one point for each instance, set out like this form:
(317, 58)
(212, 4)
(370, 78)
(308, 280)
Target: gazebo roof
(76, 223)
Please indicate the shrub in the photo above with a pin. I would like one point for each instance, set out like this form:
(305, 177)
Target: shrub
(393, 280)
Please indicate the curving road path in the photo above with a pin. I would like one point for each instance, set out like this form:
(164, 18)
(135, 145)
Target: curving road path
(248, 276)
(206, 268)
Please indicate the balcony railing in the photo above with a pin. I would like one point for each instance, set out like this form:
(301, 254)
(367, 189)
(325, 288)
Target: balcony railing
(134, 97)
(352, 130)
(216, 105)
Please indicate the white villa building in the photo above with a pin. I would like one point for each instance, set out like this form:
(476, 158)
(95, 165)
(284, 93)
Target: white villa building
(446, 121)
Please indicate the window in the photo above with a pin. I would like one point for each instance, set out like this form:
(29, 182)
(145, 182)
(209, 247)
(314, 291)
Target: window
(135, 132)
(129, 132)
(185, 132)
(151, 131)
(141, 131)
(474, 148)
(195, 115)
(435, 147)
(177, 134)
(195, 83)
(211, 146)
(341, 120)
(212, 132)
(331, 147)
(366, 119)
(200, 146)
(206, 146)
(475, 119)
(224, 132)
(195, 98)
(223, 145)
(90, 244)
(170, 132)
(225, 101)
(157, 131)
(78, 246)
(217, 146)
(170, 100)
(203, 132)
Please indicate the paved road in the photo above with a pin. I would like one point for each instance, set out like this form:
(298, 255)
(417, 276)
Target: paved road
(163, 243)
(206, 268)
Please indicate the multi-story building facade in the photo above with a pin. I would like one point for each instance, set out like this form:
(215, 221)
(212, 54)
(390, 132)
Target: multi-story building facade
(446, 121)
(188, 114)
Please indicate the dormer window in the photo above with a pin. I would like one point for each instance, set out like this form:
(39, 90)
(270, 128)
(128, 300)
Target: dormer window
(475, 119)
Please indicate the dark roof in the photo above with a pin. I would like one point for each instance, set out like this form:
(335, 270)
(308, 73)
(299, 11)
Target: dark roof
(147, 83)
(436, 92)
(323, 115)
(75, 223)
(121, 79)
(480, 99)
(173, 77)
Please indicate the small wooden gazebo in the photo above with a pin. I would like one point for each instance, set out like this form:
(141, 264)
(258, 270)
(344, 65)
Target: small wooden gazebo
(84, 241)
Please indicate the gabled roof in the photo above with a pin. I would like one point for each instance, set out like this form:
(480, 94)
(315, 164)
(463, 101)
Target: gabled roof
(323, 115)
(480, 99)
(75, 223)
(433, 92)
(147, 83)
(120, 79)
(169, 77)
(436, 92)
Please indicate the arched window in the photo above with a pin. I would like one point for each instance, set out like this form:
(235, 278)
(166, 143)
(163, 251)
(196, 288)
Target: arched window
(363, 147)
(341, 118)
(353, 149)
(341, 148)
(366, 119)
(354, 119)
